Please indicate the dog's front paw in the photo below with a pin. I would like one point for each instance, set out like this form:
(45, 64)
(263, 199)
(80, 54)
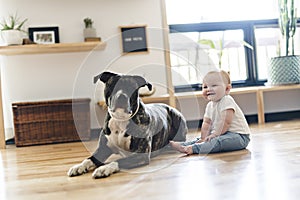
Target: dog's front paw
(81, 168)
(106, 170)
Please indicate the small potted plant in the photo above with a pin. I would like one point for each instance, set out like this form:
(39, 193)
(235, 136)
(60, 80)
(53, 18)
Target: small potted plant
(89, 31)
(11, 30)
(285, 69)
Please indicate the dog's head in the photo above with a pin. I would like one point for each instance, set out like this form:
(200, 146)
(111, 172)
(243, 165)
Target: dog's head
(121, 93)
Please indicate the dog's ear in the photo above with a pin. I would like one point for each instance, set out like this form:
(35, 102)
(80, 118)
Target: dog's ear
(142, 82)
(104, 77)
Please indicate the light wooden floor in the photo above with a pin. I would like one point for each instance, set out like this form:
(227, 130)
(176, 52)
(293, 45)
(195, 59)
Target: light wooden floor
(268, 169)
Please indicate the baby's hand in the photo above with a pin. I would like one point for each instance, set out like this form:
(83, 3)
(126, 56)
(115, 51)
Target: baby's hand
(208, 138)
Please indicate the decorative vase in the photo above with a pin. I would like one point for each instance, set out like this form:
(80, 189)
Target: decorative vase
(284, 70)
(89, 33)
(12, 37)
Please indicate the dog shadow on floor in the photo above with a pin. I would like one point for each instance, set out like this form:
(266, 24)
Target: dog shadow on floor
(162, 161)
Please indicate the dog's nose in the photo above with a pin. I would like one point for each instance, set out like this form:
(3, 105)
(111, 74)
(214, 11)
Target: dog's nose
(121, 101)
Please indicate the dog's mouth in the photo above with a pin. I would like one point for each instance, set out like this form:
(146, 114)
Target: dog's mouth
(120, 114)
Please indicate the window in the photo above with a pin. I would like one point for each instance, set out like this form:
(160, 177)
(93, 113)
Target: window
(267, 43)
(232, 38)
(207, 50)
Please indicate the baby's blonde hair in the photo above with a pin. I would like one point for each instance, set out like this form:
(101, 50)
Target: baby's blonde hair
(225, 76)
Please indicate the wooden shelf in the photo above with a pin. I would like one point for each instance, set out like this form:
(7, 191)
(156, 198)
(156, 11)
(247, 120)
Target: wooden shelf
(51, 48)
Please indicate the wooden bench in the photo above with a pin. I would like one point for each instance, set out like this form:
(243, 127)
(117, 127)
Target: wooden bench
(258, 90)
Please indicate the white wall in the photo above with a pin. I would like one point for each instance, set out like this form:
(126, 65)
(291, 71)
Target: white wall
(66, 75)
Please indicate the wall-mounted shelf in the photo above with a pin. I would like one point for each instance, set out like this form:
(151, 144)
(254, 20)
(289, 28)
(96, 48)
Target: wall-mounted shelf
(51, 48)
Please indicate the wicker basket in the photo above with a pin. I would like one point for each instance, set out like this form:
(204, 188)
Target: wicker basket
(51, 121)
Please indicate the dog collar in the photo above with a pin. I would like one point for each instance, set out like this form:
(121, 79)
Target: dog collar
(131, 116)
(137, 109)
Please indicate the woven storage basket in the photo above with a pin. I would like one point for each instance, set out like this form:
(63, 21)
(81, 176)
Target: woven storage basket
(49, 122)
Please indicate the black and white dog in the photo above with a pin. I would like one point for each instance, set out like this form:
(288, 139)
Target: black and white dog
(135, 130)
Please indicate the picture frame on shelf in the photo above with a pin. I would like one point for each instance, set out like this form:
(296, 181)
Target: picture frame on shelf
(44, 35)
(134, 39)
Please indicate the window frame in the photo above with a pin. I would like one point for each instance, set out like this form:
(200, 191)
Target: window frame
(248, 26)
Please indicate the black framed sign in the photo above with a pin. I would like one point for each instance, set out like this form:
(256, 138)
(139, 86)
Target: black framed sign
(44, 35)
(134, 39)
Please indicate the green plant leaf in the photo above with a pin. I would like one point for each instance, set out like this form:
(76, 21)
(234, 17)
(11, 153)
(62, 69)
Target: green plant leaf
(210, 43)
(12, 23)
(21, 24)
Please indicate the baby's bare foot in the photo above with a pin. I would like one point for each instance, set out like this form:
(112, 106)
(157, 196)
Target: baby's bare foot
(188, 149)
(183, 149)
(177, 146)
